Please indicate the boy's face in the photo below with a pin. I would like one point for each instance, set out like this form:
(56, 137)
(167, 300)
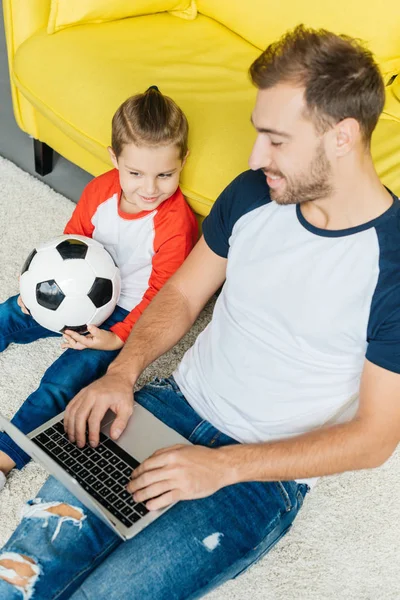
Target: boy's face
(148, 175)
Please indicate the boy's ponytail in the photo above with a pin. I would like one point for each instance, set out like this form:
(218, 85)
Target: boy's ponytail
(150, 119)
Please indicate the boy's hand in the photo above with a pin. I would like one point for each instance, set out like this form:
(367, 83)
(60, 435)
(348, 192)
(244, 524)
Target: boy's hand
(97, 339)
(22, 306)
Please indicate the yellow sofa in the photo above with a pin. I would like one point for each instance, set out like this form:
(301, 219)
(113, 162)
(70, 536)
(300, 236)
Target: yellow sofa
(66, 85)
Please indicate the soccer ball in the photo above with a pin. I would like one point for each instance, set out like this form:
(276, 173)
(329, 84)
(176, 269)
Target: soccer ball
(70, 282)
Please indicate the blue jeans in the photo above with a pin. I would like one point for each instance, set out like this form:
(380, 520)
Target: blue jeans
(192, 548)
(71, 372)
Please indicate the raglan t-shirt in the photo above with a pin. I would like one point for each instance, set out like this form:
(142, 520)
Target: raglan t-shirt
(300, 310)
(148, 247)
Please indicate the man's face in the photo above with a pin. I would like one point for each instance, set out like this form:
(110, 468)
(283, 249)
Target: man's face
(288, 148)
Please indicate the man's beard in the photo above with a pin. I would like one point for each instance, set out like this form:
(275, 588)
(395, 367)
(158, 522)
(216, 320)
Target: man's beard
(313, 185)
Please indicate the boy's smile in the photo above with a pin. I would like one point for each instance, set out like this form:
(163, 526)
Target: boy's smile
(148, 175)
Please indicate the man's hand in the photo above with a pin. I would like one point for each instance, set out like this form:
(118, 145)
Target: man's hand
(180, 473)
(22, 306)
(91, 404)
(97, 339)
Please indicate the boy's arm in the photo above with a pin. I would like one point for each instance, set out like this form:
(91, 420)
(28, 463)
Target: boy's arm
(171, 252)
(80, 222)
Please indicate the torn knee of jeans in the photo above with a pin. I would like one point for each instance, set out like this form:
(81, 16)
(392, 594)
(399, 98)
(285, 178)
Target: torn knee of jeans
(19, 570)
(36, 509)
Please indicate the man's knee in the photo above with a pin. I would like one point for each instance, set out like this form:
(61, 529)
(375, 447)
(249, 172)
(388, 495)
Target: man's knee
(19, 570)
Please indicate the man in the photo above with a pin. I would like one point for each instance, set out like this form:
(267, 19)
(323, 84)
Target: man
(300, 363)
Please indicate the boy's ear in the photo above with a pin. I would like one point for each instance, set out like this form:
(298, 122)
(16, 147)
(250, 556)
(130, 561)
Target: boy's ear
(185, 158)
(113, 157)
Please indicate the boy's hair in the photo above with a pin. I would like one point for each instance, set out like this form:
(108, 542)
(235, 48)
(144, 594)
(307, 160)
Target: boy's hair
(149, 119)
(340, 77)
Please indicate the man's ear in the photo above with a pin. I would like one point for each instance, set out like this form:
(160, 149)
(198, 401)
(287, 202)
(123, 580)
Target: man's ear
(113, 157)
(348, 135)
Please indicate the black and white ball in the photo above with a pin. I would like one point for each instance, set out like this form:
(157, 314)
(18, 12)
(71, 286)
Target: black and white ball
(70, 282)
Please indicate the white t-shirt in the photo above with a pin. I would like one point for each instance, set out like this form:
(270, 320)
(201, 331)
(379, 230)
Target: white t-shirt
(300, 310)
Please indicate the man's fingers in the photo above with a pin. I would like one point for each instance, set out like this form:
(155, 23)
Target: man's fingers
(81, 418)
(121, 420)
(94, 421)
(154, 490)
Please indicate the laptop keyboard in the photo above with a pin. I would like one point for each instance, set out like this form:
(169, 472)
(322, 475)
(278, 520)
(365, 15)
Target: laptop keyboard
(103, 471)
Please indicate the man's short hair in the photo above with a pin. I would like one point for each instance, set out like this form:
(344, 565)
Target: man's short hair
(340, 76)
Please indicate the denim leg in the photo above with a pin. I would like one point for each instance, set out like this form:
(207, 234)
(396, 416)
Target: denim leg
(17, 327)
(194, 547)
(71, 372)
(64, 558)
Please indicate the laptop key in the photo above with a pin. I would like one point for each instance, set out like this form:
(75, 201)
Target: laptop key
(57, 451)
(133, 518)
(119, 504)
(141, 509)
(76, 453)
(124, 495)
(88, 451)
(69, 462)
(114, 460)
(59, 427)
(102, 463)
(109, 482)
(127, 511)
(97, 486)
(128, 472)
(96, 470)
(102, 476)
(117, 488)
(121, 466)
(109, 469)
(107, 454)
(91, 479)
(63, 456)
(83, 474)
(112, 498)
(42, 438)
(104, 492)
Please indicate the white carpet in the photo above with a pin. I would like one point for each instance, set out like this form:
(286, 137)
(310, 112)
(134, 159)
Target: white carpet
(344, 544)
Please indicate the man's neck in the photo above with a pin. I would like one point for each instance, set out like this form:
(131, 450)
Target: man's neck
(358, 197)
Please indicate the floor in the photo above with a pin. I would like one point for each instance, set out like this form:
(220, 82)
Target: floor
(66, 178)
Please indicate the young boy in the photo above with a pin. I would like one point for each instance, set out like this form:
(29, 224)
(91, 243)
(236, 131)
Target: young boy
(139, 214)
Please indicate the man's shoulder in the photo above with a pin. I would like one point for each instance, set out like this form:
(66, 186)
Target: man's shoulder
(250, 187)
(246, 193)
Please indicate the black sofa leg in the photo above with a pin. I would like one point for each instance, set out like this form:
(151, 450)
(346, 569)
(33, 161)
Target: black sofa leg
(43, 158)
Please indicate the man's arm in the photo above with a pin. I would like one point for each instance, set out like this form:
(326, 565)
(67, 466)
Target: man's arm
(164, 322)
(365, 442)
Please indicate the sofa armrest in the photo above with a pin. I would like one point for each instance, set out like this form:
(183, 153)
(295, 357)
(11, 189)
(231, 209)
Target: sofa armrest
(22, 18)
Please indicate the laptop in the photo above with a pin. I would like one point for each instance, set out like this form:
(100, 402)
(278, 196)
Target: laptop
(98, 476)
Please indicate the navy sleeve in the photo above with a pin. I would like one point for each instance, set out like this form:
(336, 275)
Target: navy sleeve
(384, 347)
(246, 193)
(383, 334)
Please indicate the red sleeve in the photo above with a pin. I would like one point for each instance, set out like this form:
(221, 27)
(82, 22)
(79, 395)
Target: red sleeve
(97, 191)
(176, 233)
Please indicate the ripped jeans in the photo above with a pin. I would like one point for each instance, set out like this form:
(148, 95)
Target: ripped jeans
(191, 549)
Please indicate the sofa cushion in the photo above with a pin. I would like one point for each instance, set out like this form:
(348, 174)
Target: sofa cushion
(78, 78)
(262, 21)
(64, 13)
